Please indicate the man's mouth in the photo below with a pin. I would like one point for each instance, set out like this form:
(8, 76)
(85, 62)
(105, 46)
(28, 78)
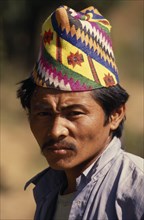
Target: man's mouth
(59, 148)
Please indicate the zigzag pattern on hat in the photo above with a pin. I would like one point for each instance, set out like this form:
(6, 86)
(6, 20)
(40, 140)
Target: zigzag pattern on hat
(88, 36)
(89, 31)
(50, 74)
(76, 51)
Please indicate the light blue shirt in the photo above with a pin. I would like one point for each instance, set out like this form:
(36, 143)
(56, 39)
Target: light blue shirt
(112, 189)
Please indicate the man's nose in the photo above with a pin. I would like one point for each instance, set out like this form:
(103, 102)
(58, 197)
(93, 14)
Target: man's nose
(59, 128)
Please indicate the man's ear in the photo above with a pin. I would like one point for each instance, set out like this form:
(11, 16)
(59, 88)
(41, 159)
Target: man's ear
(116, 117)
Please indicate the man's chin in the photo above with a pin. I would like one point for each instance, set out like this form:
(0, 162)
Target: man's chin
(60, 164)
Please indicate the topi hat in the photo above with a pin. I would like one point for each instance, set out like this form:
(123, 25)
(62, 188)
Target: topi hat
(76, 51)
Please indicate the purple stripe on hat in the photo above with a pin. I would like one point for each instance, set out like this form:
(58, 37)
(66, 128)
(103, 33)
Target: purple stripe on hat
(77, 86)
(106, 36)
(90, 52)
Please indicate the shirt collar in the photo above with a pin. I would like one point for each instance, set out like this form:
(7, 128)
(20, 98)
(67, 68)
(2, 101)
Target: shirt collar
(85, 173)
(96, 169)
(106, 155)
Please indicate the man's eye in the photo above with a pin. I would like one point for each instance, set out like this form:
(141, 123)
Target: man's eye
(44, 114)
(75, 113)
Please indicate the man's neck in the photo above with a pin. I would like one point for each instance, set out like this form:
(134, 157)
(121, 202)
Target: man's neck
(73, 174)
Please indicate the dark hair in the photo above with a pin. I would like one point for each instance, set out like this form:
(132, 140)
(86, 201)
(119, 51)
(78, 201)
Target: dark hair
(25, 92)
(110, 99)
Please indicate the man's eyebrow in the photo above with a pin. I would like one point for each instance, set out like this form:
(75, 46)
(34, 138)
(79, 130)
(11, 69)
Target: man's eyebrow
(65, 107)
(74, 106)
(42, 105)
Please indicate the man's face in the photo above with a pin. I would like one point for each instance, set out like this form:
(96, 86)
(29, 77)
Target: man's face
(69, 127)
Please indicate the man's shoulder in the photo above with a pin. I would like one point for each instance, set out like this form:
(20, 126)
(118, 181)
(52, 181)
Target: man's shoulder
(131, 175)
(134, 162)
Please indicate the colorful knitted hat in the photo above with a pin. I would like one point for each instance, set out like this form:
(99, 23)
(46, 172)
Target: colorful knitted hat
(76, 51)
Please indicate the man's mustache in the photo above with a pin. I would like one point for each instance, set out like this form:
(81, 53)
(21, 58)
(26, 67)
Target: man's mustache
(57, 145)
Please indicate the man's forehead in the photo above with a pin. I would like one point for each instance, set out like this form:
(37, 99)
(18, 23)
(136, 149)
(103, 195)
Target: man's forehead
(43, 92)
(44, 95)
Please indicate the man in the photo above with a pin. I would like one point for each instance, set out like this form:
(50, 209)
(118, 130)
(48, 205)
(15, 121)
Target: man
(76, 111)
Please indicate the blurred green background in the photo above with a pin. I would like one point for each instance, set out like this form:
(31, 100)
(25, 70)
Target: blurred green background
(20, 27)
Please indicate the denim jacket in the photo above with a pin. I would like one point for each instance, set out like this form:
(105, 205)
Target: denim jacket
(113, 189)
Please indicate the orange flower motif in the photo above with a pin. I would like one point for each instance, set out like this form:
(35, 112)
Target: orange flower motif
(74, 59)
(109, 80)
(48, 36)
